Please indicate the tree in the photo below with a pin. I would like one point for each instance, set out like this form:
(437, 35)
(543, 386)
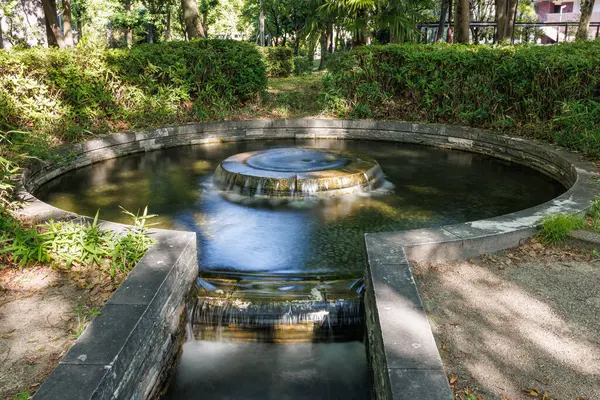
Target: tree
(192, 20)
(1, 37)
(505, 18)
(55, 36)
(463, 21)
(128, 29)
(443, 12)
(584, 21)
(67, 25)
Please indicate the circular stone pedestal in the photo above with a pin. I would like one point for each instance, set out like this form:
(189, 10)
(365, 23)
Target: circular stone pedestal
(291, 172)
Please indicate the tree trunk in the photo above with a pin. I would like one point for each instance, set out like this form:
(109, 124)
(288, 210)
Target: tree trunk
(128, 30)
(312, 44)
(360, 37)
(193, 22)
(205, 23)
(168, 33)
(511, 16)
(324, 41)
(296, 45)
(450, 23)
(149, 33)
(262, 25)
(505, 18)
(584, 21)
(330, 38)
(1, 37)
(55, 36)
(67, 26)
(463, 20)
(443, 11)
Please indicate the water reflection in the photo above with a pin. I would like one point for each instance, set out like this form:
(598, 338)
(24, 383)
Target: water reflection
(429, 187)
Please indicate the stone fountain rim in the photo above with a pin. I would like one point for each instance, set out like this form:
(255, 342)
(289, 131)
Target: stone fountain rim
(388, 253)
(359, 172)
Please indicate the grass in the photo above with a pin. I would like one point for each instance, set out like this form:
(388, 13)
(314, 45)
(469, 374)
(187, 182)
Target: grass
(64, 244)
(556, 228)
(292, 97)
(84, 316)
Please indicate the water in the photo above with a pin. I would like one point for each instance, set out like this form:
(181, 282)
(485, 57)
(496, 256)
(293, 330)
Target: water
(265, 371)
(275, 271)
(426, 187)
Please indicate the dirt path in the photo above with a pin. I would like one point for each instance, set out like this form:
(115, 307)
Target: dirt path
(527, 319)
(37, 319)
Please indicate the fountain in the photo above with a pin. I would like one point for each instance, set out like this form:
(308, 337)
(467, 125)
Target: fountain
(298, 172)
(278, 309)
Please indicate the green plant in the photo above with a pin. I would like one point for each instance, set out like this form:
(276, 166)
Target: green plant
(22, 396)
(85, 243)
(556, 228)
(83, 316)
(71, 94)
(128, 249)
(550, 92)
(594, 216)
(302, 66)
(279, 61)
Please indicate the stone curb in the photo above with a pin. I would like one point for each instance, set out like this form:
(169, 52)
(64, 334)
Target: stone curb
(403, 356)
(127, 351)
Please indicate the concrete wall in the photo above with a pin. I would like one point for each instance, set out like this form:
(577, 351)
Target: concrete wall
(127, 350)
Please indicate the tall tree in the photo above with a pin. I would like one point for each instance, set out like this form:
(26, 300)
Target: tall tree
(1, 37)
(55, 36)
(128, 28)
(450, 31)
(443, 11)
(505, 19)
(192, 19)
(584, 21)
(67, 25)
(463, 21)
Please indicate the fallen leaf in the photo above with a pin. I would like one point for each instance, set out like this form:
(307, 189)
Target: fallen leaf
(443, 346)
(532, 392)
(453, 380)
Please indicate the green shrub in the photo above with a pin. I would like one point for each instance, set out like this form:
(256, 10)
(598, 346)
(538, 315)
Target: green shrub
(279, 61)
(65, 243)
(555, 228)
(70, 94)
(548, 91)
(302, 66)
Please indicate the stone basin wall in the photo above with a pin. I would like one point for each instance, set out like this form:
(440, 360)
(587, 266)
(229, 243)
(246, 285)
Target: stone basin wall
(127, 350)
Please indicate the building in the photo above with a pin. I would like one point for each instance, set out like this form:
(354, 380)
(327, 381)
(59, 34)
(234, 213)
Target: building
(563, 11)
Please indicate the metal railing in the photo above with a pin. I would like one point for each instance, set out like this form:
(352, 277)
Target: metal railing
(482, 31)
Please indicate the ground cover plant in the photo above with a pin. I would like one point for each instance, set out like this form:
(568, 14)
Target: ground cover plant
(550, 92)
(555, 229)
(67, 95)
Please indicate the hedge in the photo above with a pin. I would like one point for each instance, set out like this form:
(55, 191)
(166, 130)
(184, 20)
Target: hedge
(547, 91)
(68, 94)
(279, 61)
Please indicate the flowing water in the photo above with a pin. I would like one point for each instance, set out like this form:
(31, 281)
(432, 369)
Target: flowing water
(275, 271)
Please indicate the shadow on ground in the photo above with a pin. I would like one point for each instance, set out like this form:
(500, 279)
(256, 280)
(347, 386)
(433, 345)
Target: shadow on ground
(522, 319)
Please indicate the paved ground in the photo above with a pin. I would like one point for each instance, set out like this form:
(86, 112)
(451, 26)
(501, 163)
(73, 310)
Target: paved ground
(36, 322)
(524, 320)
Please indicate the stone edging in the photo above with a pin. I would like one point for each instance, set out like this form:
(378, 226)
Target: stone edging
(402, 350)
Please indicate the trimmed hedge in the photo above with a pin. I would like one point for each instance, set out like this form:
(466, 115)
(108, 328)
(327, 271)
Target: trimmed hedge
(302, 66)
(68, 94)
(279, 61)
(547, 91)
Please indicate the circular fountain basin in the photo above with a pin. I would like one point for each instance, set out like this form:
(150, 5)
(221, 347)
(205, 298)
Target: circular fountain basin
(298, 172)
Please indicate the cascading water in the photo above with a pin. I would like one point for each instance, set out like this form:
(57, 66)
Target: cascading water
(281, 259)
(292, 308)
